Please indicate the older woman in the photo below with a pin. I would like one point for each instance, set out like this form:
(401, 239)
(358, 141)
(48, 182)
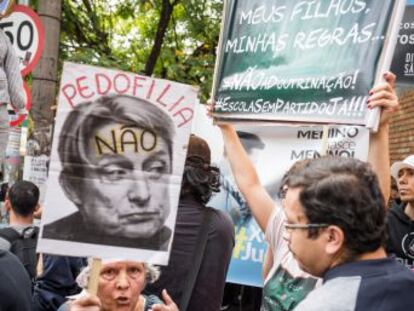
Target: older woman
(119, 289)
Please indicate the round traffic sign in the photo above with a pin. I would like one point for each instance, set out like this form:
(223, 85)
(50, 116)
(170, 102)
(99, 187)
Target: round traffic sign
(25, 31)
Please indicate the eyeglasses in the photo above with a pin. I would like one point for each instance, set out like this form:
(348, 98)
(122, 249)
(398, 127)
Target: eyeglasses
(290, 227)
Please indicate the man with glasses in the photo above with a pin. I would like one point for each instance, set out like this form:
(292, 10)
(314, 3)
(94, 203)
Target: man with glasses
(286, 284)
(335, 229)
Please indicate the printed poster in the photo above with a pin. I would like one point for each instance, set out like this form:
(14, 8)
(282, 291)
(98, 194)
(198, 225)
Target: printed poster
(403, 60)
(116, 165)
(273, 150)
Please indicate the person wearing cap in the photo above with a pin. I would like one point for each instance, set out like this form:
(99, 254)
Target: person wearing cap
(400, 226)
(117, 157)
(200, 181)
(120, 287)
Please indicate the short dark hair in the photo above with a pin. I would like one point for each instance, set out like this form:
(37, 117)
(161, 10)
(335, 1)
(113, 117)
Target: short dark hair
(23, 197)
(295, 168)
(344, 192)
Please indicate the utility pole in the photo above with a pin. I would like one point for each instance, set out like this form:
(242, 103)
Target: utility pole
(45, 74)
(44, 89)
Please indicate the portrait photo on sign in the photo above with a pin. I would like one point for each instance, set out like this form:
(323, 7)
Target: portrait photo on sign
(116, 165)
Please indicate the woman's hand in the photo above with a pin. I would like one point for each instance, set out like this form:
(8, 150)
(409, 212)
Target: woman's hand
(168, 305)
(88, 303)
(384, 96)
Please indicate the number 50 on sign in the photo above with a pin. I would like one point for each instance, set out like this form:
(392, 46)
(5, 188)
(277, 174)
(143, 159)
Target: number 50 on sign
(26, 33)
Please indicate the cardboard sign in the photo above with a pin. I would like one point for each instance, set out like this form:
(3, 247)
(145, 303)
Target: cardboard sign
(116, 165)
(273, 150)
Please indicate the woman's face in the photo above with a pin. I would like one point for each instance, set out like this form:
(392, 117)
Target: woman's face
(120, 284)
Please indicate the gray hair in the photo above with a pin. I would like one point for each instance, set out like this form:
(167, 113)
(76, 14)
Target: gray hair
(152, 273)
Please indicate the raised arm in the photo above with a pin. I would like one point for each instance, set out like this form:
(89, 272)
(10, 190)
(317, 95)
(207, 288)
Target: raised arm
(384, 96)
(245, 175)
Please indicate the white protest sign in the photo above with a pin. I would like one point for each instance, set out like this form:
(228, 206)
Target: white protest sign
(116, 165)
(273, 149)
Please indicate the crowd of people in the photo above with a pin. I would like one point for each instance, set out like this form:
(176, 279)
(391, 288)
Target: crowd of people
(334, 242)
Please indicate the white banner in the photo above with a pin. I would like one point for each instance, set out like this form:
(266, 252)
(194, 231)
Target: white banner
(116, 165)
(273, 150)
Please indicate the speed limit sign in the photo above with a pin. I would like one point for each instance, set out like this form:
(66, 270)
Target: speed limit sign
(26, 33)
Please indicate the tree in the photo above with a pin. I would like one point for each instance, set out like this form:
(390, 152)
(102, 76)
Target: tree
(172, 39)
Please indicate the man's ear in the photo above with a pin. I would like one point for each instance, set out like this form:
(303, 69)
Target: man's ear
(335, 239)
(70, 188)
(7, 205)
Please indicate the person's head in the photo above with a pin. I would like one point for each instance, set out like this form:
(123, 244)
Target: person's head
(22, 198)
(121, 282)
(403, 172)
(199, 178)
(294, 169)
(335, 213)
(251, 143)
(116, 155)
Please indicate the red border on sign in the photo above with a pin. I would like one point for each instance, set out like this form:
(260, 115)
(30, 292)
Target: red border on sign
(20, 118)
(26, 10)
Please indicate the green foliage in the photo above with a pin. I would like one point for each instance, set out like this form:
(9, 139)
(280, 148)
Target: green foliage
(120, 34)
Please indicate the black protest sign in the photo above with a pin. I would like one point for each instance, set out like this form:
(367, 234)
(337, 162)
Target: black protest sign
(300, 61)
(403, 60)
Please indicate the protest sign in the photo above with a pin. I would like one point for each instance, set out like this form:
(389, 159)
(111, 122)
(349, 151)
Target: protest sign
(403, 60)
(35, 170)
(116, 164)
(273, 150)
(303, 61)
(37, 157)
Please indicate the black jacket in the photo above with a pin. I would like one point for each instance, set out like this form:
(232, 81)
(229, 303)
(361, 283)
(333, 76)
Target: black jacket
(15, 285)
(208, 289)
(400, 242)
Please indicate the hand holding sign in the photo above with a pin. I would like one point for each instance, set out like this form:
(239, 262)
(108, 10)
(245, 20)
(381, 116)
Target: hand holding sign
(385, 97)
